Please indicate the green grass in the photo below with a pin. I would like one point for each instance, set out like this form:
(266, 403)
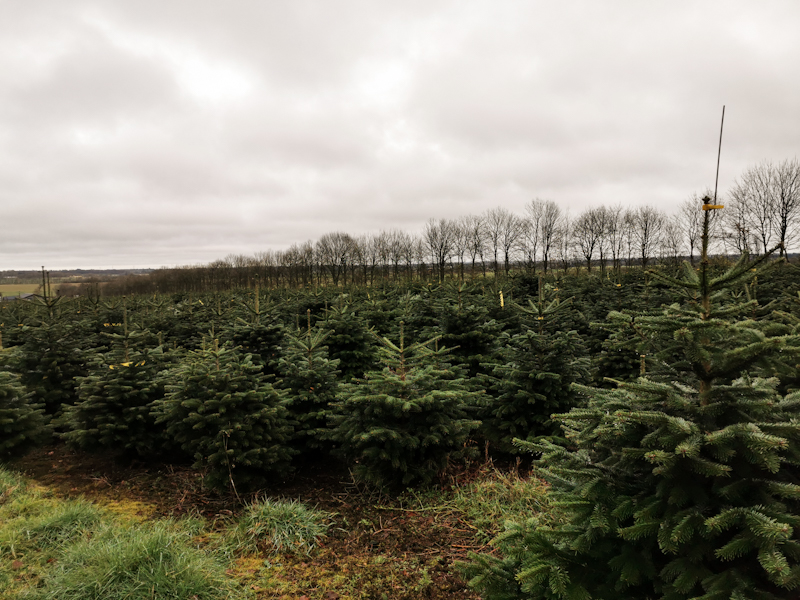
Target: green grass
(51, 548)
(153, 561)
(286, 526)
(15, 289)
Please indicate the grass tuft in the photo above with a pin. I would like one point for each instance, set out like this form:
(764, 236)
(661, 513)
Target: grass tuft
(64, 522)
(280, 526)
(153, 561)
(10, 483)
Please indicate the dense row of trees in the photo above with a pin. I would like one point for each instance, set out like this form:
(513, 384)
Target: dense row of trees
(762, 210)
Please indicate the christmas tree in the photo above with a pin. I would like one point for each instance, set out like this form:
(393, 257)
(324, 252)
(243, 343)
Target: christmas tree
(674, 489)
(399, 426)
(114, 410)
(22, 423)
(310, 378)
(350, 342)
(533, 376)
(222, 411)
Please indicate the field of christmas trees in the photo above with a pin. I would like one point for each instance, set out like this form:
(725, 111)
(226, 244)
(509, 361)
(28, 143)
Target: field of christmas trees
(660, 407)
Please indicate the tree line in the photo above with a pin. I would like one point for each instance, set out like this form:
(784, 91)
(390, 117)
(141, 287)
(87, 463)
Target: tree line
(762, 209)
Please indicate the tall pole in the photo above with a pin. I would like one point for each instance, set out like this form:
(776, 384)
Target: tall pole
(719, 152)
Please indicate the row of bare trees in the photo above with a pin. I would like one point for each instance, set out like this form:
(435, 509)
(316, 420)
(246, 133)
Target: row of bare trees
(762, 209)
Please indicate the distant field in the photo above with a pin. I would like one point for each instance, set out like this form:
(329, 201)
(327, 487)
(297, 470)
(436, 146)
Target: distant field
(14, 289)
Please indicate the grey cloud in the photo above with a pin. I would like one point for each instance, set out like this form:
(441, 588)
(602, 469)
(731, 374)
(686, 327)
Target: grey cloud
(154, 133)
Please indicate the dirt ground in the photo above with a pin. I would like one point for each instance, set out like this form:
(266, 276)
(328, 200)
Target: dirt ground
(377, 547)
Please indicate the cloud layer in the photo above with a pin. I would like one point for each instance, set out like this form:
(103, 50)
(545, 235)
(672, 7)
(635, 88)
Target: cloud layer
(137, 134)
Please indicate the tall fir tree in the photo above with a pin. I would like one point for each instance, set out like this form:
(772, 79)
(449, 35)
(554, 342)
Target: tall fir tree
(399, 426)
(672, 489)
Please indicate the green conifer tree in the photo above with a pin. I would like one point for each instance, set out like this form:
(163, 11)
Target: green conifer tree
(22, 423)
(350, 342)
(114, 410)
(311, 379)
(399, 426)
(672, 489)
(222, 411)
(533, 374)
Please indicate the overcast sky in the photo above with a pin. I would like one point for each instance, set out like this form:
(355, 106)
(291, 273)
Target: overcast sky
(149, 133)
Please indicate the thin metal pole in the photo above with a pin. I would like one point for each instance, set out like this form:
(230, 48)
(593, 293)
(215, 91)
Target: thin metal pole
(719, 152)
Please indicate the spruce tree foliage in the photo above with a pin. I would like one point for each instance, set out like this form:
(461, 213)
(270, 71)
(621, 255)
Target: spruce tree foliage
(534, 374)
(399, 426)
(311, 380)
(350, 342)
(672, 489)
(22, 424)
(222, 411)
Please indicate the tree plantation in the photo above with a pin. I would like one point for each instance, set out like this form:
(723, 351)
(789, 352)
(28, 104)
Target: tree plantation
(660, 403)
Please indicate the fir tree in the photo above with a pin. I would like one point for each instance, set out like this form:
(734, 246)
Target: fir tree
(310, 378)
(672, 489)
(350, 342)
(222, 411)
(22, 423)
(399, 426)
(114, 411)
(534, 374)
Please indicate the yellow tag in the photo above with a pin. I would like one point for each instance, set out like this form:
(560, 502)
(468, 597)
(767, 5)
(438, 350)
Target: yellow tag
(127, 364)
(540, 318)
(712, 206)
(201, 302)
(619, 285)
(110, 366)
(502, 303)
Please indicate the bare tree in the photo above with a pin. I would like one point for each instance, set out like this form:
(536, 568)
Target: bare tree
(550, 226)
(615, 234)
(786, 199)
(649, 225)
(474, 226)
(494, 222)
(588, 231)
(335, 252)
(672, 240)
(753, 192)
(440, 238)
(461, 242)
(532, 230)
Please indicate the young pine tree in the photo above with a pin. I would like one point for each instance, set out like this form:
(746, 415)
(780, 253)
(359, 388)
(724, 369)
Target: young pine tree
(399, 426)
(672, 489)
(222, 411)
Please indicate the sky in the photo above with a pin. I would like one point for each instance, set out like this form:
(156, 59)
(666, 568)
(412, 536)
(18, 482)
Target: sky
(151, 133)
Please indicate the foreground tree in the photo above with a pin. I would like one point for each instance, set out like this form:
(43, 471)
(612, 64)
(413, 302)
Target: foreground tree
(222, 412)
(675, 489)
(399, 426)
